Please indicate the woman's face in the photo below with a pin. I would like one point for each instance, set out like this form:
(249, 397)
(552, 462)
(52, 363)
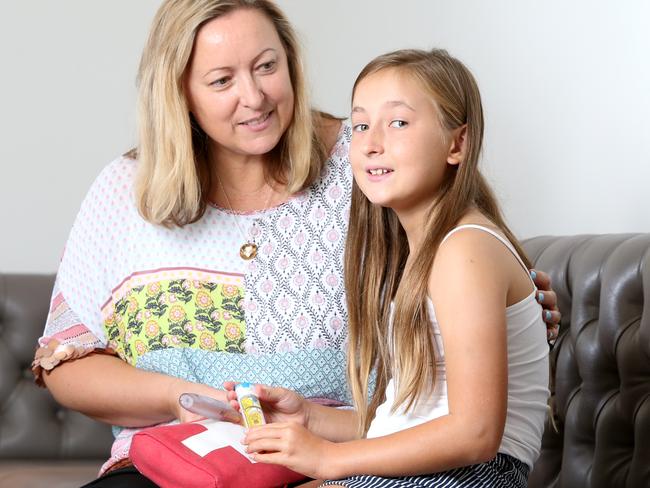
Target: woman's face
(238, 85)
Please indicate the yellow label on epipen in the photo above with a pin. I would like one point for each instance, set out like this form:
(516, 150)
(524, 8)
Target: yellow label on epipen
(252, 411)
(248, 402)
(254, 417)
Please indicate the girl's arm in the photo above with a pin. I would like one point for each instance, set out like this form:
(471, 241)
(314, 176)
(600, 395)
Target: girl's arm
(108, 389)
(333, 424)
(469, 285)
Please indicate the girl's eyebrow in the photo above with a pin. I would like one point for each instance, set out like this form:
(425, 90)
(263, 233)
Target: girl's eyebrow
(399, 103)
(390, 103)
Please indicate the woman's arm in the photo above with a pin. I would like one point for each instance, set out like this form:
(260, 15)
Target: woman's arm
(106, 388)
(470, 306)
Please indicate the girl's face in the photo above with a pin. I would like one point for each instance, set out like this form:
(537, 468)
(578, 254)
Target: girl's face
(238, 84)
(399, 149)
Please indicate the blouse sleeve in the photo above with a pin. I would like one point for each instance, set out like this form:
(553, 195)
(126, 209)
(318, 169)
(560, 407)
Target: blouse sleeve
(74, 324)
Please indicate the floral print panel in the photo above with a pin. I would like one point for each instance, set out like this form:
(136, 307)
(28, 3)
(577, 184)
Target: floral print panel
(196, 309)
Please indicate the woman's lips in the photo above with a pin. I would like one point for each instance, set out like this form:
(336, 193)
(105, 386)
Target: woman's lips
(258, 123)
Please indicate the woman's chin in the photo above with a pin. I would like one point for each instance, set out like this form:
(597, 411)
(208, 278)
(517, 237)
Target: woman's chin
(258, 146)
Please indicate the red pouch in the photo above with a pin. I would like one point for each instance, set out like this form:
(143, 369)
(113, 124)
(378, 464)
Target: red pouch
(160, 455)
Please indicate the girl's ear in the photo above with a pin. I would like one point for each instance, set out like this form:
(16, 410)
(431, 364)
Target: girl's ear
(458, 145)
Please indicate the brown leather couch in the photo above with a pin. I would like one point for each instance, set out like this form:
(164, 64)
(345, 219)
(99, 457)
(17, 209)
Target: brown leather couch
(601, 362)
(601, 365)
(42, 445)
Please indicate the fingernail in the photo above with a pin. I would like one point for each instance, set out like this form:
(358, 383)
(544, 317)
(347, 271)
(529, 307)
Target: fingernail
(540, 297)
(547, 314)
(533, 274)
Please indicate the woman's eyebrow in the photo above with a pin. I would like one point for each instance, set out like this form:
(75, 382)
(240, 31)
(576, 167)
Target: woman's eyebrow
(255, 59)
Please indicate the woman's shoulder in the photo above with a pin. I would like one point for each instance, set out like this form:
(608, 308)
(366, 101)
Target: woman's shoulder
(117, 176)
(333, 133)
(338, 139)
(329, 129)
(112, 190)
(120, 169)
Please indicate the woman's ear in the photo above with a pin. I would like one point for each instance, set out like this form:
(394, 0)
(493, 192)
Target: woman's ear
(458, 145)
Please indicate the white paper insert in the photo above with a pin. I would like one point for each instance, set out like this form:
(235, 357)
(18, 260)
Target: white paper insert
(218, 435)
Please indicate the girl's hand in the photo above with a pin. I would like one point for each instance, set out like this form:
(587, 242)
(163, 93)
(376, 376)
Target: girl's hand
(548, 299)
(278, 404)
(292, 445)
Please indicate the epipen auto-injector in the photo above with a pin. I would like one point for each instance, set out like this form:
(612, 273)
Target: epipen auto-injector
(250, 405)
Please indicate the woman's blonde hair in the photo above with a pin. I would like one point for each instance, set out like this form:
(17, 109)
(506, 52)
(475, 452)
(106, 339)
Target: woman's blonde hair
(174, 177)
(377, 248)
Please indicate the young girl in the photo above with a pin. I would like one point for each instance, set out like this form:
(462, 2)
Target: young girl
(441, 304)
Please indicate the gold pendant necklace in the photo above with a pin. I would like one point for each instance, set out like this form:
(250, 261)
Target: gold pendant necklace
(248, 250)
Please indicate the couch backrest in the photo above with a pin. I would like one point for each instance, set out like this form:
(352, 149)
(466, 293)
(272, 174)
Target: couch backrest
(32, 424)
(601, 362)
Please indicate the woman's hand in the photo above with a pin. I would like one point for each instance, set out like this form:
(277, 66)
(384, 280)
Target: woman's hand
(292, 445)
(548, 299)
(278, 404)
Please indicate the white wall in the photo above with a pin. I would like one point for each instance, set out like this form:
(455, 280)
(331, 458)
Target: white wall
(565, 86)
(67, 95)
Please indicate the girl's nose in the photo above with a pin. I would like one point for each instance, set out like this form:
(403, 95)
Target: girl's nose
(373, 142)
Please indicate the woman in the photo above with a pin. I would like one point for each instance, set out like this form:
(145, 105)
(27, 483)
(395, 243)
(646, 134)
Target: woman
(214, 251)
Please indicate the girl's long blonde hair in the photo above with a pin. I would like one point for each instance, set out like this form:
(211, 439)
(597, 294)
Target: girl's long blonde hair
(377, 248)
(174, 177)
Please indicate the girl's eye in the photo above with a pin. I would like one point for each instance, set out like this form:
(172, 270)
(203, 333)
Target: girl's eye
(398, 124)
(360, 127)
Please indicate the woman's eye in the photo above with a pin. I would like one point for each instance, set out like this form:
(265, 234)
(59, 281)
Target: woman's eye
(268, 66)
(398, 124)
(360, 127)
(221, 82)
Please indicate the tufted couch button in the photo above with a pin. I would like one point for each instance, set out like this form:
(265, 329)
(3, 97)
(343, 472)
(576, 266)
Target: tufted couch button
(60, 414)
(27, 373)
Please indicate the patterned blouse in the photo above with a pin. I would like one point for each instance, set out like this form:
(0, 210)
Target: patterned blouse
(182, 301)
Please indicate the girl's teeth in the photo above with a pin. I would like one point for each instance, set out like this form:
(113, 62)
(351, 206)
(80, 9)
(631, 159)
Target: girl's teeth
(377, 172)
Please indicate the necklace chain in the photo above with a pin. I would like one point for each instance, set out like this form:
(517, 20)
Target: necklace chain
(248, 250)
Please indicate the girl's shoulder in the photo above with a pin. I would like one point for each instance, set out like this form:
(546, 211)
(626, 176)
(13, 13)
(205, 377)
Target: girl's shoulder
(475, 244)
(476, 251)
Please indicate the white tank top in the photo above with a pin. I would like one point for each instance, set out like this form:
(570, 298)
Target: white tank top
(528, 377)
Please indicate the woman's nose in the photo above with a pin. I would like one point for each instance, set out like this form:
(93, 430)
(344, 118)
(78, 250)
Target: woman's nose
(251, 93)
